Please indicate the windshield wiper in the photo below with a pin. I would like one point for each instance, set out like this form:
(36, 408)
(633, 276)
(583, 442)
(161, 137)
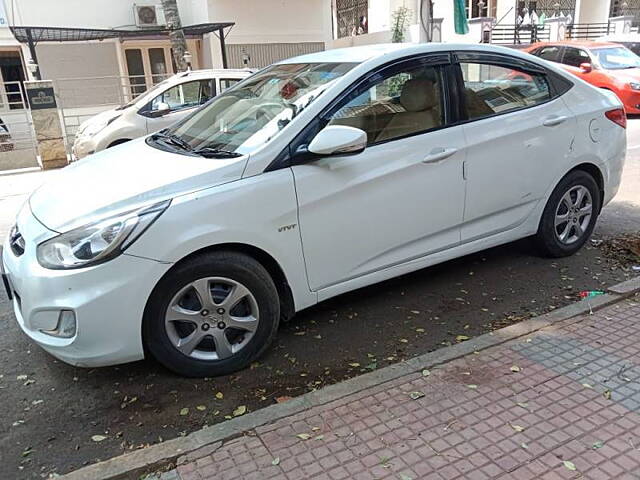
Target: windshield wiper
(211, 152)
(173, 139)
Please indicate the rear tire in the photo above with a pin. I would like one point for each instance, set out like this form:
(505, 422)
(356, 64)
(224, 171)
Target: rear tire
(212, 315)
(570, 215)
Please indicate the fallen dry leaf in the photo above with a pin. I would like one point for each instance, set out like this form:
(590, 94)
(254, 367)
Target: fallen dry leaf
(241, 410)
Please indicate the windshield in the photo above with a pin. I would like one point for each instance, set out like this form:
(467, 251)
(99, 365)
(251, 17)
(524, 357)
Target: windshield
(614, 58)
(251, 113)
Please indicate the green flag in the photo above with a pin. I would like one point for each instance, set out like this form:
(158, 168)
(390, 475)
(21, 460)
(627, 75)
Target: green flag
(460, 17)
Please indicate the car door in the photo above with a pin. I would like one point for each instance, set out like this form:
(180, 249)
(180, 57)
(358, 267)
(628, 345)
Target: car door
(572, 58)
(399, 199)
(518, 131)
(181, 100)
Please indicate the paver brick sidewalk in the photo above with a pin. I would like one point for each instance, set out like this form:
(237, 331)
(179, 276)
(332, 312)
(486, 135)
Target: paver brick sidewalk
(563, 402)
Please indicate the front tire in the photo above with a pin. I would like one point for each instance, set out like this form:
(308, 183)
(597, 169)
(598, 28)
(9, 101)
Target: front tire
(212, 315)
(570, 215)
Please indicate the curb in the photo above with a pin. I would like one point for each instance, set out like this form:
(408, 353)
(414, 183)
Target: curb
(133, 465)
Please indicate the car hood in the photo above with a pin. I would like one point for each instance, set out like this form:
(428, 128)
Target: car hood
(102, 117)
(628, 74)
(123, 178)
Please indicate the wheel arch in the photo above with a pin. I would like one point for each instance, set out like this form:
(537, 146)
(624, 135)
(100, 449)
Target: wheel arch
(595, 171)
(119, 141)
(287, 303)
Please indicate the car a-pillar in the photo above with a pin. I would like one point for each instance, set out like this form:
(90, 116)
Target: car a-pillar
(46, 123)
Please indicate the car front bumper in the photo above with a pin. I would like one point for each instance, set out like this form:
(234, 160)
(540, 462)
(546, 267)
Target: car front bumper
(108, 301)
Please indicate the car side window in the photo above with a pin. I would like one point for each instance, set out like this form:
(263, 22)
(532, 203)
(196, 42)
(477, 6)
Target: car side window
(185, 95)
(494, 89)
(394, 104)
(548, 53)
(575, 56)
(226, 83)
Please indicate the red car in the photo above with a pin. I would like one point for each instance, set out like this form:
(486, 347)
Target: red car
(603, 64)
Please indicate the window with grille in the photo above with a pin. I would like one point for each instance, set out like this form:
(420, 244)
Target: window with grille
(351, 17)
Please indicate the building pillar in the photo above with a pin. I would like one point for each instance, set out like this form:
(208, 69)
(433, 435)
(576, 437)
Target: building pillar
(557, 28)
(46, 123)
(480, 29)
(619, 25)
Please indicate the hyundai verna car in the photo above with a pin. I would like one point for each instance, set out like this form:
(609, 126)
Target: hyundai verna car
(316, 176)
(603, 64)
(168, 102)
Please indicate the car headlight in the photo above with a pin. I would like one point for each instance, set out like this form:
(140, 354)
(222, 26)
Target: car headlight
(97, 242)
(634, 85)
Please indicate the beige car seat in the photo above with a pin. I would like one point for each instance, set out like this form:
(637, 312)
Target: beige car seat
(420, 101)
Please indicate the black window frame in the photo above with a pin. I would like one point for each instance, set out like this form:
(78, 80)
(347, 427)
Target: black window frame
(558, 85)
(296, 152)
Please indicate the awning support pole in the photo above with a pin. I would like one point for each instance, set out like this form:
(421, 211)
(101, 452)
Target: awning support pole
(223, 48)
(32, 51)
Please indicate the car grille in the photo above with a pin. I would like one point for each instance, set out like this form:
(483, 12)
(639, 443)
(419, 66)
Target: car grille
(16, 241)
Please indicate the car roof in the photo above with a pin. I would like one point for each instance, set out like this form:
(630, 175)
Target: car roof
(367, 52)
(588, 44)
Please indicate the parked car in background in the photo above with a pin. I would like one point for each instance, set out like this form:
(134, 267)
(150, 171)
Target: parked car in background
(316, 176)
(603, 64)
(166, 103)
(629, 40)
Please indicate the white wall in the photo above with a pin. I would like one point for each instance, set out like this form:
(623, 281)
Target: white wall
(592, 11)
(274, 21)
(93, 13)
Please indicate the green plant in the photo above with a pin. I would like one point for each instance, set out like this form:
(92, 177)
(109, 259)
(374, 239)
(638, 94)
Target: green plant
(399, 20)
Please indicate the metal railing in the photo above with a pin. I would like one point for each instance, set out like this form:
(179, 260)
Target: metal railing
(82, 98)
(17, 137)
(587, 31)
(519, 34)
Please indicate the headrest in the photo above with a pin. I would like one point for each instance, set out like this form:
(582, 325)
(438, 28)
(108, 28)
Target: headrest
(418, 94)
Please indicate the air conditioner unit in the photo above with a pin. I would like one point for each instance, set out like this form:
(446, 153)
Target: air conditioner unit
(148, 15)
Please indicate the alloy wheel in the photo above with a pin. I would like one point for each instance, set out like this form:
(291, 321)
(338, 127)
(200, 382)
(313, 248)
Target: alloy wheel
(212, 318)
(573, 214)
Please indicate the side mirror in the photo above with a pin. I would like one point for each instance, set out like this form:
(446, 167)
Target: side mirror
(586, 67)
(338, 139)
(160, 109)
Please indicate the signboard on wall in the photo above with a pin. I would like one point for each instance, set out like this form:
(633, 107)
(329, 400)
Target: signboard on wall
(41, 98)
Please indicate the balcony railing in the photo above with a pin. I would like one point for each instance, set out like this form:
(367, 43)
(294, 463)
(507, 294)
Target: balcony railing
(519, 34)
(587, 31)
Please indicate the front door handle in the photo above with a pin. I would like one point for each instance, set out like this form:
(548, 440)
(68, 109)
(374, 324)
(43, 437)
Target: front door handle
(554, 120)
(439, 154)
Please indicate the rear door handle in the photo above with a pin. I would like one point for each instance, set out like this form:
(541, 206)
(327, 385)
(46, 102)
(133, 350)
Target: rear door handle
(439, 154)
(553, 121)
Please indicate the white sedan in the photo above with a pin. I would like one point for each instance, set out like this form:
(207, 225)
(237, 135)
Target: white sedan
(167, 102)
(316, 176)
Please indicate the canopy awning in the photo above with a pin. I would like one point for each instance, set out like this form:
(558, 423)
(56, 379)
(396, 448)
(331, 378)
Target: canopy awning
(33, 35)
(24, 34)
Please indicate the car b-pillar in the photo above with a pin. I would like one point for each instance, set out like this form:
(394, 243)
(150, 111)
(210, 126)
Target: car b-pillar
(46, 124)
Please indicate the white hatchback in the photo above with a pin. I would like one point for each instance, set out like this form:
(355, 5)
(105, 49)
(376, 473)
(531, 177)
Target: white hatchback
(315, 176)
(167, 102)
